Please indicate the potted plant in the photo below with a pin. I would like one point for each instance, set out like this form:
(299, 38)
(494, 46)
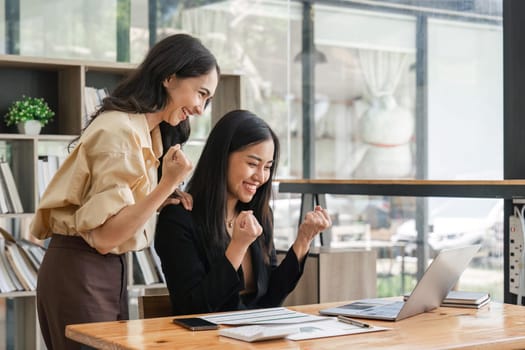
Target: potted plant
(29, 114)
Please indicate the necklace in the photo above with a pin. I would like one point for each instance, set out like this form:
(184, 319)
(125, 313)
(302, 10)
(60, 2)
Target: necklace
(229, 223)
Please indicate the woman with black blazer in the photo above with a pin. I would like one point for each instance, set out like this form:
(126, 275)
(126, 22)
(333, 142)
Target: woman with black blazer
(220, 256)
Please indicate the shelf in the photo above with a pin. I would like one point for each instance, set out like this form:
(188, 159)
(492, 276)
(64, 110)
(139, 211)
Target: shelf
(18, 294)
(60, 82)
(136, 290)
(41, 137)
(507, 189)
(17, 215)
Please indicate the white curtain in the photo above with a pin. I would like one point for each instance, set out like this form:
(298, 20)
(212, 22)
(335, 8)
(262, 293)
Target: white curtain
(385, 128)
(382, 70)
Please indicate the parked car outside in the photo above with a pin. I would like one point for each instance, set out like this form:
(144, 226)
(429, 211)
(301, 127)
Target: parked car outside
(459, 222)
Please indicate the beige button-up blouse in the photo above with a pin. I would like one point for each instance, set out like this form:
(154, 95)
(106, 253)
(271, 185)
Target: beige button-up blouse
(113, 165)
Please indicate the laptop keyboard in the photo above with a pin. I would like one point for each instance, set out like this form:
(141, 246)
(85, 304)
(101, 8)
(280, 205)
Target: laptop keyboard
(388, 310)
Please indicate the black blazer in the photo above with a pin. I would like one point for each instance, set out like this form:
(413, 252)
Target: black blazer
(197, 285)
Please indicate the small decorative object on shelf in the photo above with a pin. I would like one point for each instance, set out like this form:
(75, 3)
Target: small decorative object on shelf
(29, 114)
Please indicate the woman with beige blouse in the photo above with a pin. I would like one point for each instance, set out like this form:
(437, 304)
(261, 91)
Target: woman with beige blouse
(101, 202)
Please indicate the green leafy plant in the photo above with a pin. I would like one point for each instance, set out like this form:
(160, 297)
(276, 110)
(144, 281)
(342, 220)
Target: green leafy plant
(29, 108)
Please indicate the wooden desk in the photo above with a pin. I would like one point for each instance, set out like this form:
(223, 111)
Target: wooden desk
(496, 326)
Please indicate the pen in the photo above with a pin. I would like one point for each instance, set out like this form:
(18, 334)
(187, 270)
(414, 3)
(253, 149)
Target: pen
(352, 322)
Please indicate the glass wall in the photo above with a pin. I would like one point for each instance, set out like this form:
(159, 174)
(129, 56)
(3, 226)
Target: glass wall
(409, 89)
(251, 38)
(2, 27)
(82, 29)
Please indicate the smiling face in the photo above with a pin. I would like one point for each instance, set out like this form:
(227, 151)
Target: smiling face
(188, 96)
(249, 169)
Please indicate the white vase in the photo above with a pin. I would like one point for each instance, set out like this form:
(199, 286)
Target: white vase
(387, 123)
(29, 127)
(391, 162)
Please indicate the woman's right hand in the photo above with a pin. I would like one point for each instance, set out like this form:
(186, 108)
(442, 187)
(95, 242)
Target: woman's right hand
(246, 229)
(175, 167)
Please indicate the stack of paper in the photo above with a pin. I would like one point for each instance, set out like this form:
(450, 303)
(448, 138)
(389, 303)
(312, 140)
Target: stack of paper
(269, 316)
(277, 320)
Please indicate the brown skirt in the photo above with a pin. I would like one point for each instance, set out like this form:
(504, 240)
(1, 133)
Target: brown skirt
(76, 284)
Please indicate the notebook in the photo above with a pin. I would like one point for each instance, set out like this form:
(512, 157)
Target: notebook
(437, 281)
(458, 298)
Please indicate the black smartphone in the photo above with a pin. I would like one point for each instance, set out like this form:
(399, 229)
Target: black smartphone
(195, 323)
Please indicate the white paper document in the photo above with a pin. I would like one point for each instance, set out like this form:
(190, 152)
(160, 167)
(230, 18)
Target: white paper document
(330, 328)
(276, 315)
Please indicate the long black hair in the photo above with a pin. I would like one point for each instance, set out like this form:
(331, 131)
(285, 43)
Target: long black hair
(233, 132)
(142, 91)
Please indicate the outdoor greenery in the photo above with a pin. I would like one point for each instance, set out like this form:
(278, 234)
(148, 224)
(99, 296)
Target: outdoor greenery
(390, 285)
(29, 108)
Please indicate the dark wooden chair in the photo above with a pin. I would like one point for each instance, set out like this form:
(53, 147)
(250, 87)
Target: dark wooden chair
(151, 306)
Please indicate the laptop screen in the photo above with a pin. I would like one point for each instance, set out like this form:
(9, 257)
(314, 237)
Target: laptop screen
(432, 288)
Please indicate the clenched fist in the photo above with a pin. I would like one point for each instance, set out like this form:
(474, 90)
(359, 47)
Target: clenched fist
(246, 228)
(175, 166)
(314, 223)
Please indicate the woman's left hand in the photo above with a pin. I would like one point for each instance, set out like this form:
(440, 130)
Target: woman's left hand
(314, 222)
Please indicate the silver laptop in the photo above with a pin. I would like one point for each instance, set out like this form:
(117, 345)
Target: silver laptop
(438, 279)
